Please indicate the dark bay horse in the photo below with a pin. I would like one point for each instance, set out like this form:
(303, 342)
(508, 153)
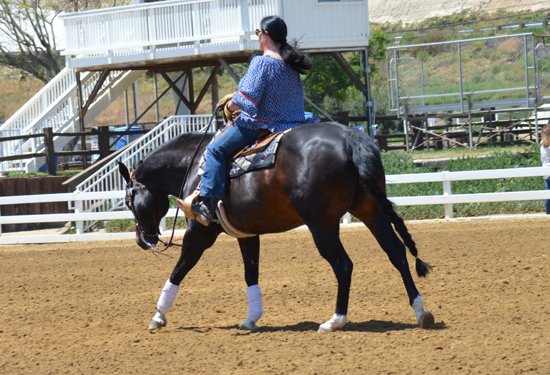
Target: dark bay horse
(321, 172)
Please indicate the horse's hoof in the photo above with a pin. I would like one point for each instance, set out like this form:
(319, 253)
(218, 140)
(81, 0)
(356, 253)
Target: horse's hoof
(426, 320)
(158, 321)
(337, 321)
(248, 325)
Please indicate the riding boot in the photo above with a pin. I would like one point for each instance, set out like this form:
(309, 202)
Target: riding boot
(205, 210)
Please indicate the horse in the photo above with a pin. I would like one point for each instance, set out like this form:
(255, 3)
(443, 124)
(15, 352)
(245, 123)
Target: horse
(321, 172)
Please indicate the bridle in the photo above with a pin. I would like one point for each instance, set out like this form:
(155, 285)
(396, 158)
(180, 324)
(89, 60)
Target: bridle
(129, 186)
(139, 227)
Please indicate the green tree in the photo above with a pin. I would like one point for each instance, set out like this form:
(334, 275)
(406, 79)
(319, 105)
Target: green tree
(27, 35)
(329, 87)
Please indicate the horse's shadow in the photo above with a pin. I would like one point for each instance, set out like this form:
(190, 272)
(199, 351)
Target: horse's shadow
(374, 326)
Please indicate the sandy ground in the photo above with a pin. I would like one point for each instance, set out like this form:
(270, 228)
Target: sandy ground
(84, 308)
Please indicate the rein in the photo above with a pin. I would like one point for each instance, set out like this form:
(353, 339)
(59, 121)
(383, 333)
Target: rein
(139, 228)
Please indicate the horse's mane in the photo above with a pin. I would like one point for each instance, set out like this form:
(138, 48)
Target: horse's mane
(169, 154)
(180, 141)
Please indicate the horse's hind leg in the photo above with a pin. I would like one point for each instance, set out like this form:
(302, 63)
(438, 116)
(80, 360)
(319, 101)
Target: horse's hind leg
(250, 250)
(196, 240)
(380, 226)
(327, 240)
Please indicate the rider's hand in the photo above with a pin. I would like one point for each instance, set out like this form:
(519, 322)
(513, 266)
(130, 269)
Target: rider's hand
(229, 115)
(225, 99)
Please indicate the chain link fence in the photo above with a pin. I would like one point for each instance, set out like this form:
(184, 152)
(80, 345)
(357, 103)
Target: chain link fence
(507, 72)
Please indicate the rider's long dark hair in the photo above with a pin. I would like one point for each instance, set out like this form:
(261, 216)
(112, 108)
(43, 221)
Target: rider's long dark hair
(276, 28)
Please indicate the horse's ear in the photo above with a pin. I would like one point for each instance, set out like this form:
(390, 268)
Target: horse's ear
(124, 171)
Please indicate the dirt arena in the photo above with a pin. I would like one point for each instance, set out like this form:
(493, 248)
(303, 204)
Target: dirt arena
(84, 308)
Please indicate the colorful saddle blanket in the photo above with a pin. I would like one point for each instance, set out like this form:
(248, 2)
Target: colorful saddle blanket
(259, 155)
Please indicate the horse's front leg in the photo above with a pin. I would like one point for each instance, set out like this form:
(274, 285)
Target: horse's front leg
(250, 250)
(196, 240)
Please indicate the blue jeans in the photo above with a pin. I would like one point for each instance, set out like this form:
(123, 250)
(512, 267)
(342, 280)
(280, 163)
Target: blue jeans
(231, 141)
(547, 201)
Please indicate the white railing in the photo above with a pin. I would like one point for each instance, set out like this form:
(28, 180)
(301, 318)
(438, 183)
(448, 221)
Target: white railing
(77, 201)
(55, 106)
(108, 177)
(162, 24)
(21, 119)
(448, 198)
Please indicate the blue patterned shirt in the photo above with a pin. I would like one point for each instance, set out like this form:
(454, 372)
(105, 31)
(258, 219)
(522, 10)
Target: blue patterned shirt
(271, 96)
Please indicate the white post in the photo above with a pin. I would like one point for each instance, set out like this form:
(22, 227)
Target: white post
(406, 131)
(347, 218)
(162, 224)
(447, 191)
(78, 208)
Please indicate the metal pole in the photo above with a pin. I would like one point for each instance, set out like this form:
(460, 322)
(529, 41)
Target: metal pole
(423, 85)
(460, 77)
(537, 125)
(470, 125)
(406, 131)
(397, 84)
(526, 69)
(370, 114)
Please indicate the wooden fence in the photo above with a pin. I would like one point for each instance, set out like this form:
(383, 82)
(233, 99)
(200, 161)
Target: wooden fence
(31, 186)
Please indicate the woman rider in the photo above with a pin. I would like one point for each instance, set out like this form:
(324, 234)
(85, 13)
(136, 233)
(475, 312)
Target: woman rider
(270, 96)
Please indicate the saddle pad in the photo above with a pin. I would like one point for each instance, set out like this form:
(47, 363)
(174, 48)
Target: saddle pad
(250, 162)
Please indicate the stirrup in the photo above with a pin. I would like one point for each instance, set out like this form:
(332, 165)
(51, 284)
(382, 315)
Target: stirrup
(205, 211)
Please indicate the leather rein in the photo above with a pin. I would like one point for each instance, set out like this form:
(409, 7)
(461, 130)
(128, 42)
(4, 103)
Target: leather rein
(139, 227)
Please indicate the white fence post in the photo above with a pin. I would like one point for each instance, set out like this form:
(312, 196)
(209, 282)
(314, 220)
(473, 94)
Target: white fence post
(347, 218)
(78, 209)
(448, 206)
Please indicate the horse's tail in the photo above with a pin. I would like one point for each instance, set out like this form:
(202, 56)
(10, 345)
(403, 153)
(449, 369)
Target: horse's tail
(366, 158)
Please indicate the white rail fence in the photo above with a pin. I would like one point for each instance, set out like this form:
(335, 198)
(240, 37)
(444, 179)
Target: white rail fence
(149, 29)
(76, 199)
(174, 29)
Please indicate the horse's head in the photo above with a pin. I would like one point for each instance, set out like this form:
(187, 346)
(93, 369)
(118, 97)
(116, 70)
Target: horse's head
(148, 205)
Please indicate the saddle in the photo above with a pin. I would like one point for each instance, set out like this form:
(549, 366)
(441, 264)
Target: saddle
(259, 155)
(263, 141)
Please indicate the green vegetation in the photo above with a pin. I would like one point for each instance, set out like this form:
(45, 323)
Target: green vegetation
(43, 174)
(398, 163)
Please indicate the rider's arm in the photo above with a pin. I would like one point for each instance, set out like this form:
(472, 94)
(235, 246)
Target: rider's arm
(232, 106)
(252, 87)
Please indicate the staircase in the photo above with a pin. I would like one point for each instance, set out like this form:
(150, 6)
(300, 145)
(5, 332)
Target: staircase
(108, 177)
(56, 106)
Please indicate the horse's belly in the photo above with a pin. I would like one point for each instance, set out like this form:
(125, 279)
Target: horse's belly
(257, 204)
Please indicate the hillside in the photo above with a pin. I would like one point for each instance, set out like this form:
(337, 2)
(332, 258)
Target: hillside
(412, 11)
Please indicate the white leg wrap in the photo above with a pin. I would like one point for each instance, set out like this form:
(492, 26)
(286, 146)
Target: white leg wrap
(337, 321)
(254, 298)
(418, 307)
(167, 297)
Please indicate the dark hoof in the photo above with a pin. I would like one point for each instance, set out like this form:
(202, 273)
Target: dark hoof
(426, 320)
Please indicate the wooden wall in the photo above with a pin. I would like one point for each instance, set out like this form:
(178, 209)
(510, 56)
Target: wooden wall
(29, 186)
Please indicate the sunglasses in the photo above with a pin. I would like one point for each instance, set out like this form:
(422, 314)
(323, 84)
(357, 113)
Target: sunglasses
(258, 32)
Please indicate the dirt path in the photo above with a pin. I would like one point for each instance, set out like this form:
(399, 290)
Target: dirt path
(84, 308)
